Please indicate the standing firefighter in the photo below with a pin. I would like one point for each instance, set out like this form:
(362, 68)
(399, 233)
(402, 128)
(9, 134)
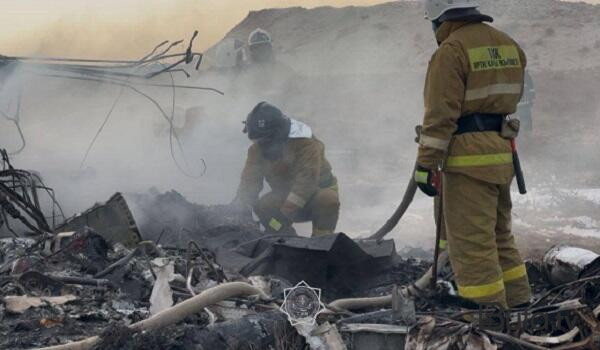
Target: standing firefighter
(292, 160)
(474, 80)
(260, 46)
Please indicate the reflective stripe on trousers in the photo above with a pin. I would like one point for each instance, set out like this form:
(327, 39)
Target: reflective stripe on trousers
(486, 262)
(491, 289)
(514, 273)
(481, 291)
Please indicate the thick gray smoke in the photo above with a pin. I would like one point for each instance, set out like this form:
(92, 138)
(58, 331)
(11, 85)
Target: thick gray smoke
(355, 75)
(60, 118)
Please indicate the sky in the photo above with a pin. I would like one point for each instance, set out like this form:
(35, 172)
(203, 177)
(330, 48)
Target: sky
(125, 28)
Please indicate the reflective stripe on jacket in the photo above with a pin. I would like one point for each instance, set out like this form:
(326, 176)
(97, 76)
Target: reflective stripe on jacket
(476, 69)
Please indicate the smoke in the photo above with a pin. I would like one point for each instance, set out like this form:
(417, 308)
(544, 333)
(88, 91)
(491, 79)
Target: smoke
(354, 75)
(105, 29)
(353, 109)
(117, 28)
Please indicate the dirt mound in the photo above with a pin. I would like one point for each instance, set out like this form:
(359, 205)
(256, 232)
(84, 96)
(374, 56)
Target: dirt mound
(393, 37)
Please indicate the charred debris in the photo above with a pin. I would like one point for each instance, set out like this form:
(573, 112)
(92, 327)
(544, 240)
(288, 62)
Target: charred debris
(154, 271)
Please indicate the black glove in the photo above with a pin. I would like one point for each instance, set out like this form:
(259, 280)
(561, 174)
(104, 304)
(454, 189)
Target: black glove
(427, 180)
(279, 223)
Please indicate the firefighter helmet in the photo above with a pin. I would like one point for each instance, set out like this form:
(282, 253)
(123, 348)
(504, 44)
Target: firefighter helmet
(260, 46)
(258, 37)
(266, 121)
(434, 9)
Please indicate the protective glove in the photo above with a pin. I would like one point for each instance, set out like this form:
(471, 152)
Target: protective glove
(427, 180)
(280, 223)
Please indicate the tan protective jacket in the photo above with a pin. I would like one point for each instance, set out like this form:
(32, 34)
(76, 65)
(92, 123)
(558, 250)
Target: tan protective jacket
(300, 172)
(476, 69)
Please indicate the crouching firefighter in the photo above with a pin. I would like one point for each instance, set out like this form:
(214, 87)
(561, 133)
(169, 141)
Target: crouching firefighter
(474, 81)
(292, 160)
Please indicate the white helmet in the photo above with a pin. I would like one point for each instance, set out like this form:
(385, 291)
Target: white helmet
(434, 9)
(259, 36)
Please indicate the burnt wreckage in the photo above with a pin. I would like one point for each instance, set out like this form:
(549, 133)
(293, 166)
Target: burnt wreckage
(154, 271)
(204, 277)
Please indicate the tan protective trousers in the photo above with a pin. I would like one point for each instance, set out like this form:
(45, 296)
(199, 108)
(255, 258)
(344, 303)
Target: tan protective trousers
(484, 257)
(322, 209)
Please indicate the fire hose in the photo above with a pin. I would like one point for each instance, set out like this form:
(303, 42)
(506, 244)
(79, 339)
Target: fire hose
(417, 288)
(409, 195)
(411, 189)
(176, 313)
(360, 303)
(407, 199)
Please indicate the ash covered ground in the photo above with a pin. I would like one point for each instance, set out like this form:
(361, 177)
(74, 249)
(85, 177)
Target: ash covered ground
(355, 75)
(81, 284)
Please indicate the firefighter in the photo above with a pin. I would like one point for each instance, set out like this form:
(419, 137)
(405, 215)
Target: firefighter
(292, 160)
(474, 80)
(260, 46)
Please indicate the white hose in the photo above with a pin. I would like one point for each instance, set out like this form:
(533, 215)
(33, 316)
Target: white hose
(176, 313)
(211, 316)
(421, 284)
(361, 303)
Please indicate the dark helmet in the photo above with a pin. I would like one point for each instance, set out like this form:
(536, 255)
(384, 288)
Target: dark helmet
(267, 122)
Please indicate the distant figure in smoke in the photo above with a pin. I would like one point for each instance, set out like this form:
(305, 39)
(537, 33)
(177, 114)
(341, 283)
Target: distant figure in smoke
(260, 46)
(248, 70)
(264, 75)
(292, 160)
(230, 54)
(525, 106)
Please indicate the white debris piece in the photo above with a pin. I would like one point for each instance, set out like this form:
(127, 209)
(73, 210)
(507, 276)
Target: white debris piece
(162, 294)
(323, 337)
(21, 303)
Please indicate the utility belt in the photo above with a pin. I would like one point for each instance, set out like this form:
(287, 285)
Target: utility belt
(479, 122)
(507, 128)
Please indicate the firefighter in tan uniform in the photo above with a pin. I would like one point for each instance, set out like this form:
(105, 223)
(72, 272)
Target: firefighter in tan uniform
(474, 80)
(286, 154)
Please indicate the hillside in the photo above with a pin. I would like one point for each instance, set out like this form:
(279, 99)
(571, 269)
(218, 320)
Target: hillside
(359, 79)
(342, 55)
(393, 37)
